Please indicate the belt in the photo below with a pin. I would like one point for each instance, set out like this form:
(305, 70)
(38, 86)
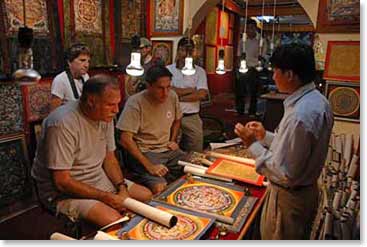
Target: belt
(190, 114)
(293, 188)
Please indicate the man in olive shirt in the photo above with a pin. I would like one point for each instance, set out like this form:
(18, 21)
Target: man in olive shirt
(150, 123)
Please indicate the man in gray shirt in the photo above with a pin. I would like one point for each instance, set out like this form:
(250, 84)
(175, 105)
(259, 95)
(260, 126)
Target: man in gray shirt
(150, 123)
(75, 167)
(297, 151)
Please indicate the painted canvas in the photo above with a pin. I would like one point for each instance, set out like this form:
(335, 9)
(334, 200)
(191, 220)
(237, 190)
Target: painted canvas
(342, 61)
(163, 50)
(211, 27)
(166, 17)
(37, 100)
(228, 57)
(131, 18)
(210, 59)
(88, 16)
(14, 170)
(344, 100)
(190, 226)
(36, 16)
(11, 110)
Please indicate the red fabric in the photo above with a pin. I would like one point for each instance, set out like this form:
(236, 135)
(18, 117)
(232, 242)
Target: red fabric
(220, 83)
(60, 9)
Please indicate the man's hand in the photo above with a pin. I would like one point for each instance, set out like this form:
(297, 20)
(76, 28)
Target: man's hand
(172, 145)
(158, 170)
(246, 134)
(115, 200)
(258, 128)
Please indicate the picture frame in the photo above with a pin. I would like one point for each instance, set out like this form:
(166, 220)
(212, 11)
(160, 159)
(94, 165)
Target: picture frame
(163, 49)
(166, 17)
(338, 17)
(342, 62)
(15, 181)
(344, 100)
(190, 226)
(211, 27)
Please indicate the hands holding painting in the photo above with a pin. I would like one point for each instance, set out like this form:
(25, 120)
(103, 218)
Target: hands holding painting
(251, 132)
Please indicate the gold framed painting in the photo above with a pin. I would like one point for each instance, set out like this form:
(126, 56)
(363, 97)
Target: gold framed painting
(211, 27)
(342, 61)
(210, 59)
(166, 17)
(163, 50)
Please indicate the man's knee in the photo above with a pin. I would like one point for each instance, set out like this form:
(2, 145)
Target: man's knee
(140, 193)
(158, 188)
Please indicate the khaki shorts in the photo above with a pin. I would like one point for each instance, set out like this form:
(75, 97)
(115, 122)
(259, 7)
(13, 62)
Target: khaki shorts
(79, 208)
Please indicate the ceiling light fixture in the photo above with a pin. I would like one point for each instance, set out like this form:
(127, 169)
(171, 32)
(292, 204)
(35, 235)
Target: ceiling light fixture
(189, 67)
(220, 70)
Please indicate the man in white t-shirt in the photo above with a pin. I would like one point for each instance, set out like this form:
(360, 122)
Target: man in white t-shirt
(191, 89)
(68, 85)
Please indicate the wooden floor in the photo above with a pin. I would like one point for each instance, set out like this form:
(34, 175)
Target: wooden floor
(27, 220)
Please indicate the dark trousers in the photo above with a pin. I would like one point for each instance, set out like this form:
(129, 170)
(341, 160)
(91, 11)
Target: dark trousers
(246, 84)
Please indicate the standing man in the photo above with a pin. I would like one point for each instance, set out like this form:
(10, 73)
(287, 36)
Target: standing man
(68, 85)
(191, 89)
(150, 123)
(297, 150)
(248, 83)
(135, 84)
(75, 167)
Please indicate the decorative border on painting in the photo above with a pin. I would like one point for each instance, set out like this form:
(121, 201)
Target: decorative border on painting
(336, 84)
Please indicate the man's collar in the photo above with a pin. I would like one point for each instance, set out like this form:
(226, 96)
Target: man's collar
(299, 93)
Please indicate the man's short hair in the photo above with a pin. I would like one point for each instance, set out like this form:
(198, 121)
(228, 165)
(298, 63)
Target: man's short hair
(144, 42)
(75, 50)
(185, 41)
(156, 72)
(296, 57)
(97, 84)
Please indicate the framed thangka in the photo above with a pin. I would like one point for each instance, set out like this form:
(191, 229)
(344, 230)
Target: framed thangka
(190, 226)
(342, 62)
(210, 59)
(132, 19)
(163, 50)
(344, 100)
(11, 110)
(338, 16)
(211, 27)
(15, 180)
(166, 17)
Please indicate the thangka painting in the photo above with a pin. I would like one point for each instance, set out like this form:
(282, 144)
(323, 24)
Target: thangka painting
(14, 171)
(163, 50)
(211, 27)
(166, 17)
(342, 61)
(344, 100)
(224, 25)
(89, 22)
(210, 59)
(236, 170)
(190, 226)
(216, 199)
(36, 16)
(228, 57)
(11, 109)
(338, 16)
(131, 18)
(305, 38)
(37, 100)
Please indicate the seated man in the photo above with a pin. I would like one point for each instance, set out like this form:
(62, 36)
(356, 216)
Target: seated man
(150, 123)
(75, 167)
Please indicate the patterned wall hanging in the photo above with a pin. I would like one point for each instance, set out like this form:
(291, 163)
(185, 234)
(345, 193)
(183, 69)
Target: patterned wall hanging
(344, 100)
(166, 17)
(132, 18)
(211, 26)
(89, 22)
(15, 180)
(342, 61)
(11, 110)
(37, 100)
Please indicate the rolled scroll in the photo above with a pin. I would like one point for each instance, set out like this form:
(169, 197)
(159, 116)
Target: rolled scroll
(348, 147)
(202, 173)
(233, 158)
(184, 163)
(152, 213)
(337, 199)
(353, 167)
(103, 236)
(60, 236)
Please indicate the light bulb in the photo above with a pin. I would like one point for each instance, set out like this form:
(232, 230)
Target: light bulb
(135, 68)
(270, 68)
(243, 68)
(220, 69)
(188, 69)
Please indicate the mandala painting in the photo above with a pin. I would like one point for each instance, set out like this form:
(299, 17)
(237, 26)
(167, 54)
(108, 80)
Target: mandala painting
(88, 16)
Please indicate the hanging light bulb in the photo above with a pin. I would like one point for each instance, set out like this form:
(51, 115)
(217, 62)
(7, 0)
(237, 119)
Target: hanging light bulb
(270, 67)
(243, 64)
(135, 68)
(220, 68)
(260, 64)
(25, 74)
(189, 68)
